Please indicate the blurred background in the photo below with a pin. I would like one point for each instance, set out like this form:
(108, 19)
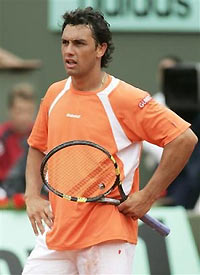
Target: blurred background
(144, 33)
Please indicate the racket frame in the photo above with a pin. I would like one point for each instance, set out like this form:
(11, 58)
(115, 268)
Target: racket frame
(82, 199)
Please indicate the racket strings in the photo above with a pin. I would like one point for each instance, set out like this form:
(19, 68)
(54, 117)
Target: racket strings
(80, 171)
(100, 182)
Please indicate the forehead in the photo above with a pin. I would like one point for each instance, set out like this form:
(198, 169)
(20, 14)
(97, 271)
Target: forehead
(167, 63)
(21, 102)
(77, 32)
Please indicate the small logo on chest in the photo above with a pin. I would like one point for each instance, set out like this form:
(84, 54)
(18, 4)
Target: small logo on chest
(73, 115)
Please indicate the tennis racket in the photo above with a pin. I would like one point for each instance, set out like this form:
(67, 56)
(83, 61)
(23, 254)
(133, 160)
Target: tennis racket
(82, 171)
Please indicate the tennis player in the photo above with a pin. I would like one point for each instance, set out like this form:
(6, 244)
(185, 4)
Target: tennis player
(94, 238)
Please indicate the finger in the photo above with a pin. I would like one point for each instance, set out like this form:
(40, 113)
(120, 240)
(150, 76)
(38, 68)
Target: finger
(40, 225)
(49, 213)
(35, 230)
(125, 207)
(134, 217)
(129, 212)
(122, 206)
(47, 220)
(124, 211)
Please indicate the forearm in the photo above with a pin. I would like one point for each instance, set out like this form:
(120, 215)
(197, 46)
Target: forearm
(38, 209)
(175, 156)
(33, 179)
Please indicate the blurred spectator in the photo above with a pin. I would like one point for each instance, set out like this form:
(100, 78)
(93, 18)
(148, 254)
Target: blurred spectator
(13, 136)
(165, 63)
(185, 189)
(153, 152)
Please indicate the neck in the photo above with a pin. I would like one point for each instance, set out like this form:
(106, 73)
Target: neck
(88, 83)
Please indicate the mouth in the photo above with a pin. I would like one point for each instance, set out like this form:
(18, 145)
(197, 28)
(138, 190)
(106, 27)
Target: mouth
(70, 63)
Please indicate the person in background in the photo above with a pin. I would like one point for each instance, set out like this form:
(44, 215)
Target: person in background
(185, 189)
(165, 62)
(153, 152)
(90, 104)
(13, 139)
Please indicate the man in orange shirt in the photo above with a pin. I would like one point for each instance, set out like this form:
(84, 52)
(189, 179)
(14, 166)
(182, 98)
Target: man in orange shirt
(90, 104)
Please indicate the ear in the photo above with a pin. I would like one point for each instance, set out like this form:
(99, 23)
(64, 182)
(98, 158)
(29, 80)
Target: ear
(101, 49)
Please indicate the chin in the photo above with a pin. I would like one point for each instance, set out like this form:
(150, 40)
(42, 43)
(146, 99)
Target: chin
(72, 72)
(69, 72)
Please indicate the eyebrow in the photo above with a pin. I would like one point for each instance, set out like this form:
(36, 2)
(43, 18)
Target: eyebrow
(73, 40)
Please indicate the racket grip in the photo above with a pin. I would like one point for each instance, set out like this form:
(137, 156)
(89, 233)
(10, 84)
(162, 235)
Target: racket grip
(156, 225)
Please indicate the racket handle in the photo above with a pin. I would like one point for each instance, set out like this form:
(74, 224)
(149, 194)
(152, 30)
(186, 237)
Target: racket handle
(156, 225)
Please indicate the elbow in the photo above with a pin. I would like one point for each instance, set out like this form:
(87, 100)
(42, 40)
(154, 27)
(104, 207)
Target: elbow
(188, 139)
(186, 142)
(193, 138)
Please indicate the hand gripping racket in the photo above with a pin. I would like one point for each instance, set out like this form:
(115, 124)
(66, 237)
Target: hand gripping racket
(83, 171)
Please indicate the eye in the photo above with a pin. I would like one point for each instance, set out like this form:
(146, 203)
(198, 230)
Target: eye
(64, 42)
(79, 42)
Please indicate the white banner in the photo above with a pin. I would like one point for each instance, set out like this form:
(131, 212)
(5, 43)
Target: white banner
(135, 15)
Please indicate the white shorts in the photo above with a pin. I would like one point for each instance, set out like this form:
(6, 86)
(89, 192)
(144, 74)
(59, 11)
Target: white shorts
(113, 257)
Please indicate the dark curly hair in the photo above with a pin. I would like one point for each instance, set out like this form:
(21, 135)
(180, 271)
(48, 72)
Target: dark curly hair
(98, 25)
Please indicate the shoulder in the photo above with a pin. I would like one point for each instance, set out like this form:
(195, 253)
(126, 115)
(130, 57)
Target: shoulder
(56, 87)
(131, 90)
(127, 95)
(53, 90)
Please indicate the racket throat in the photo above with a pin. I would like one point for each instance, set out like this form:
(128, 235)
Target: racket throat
(122, 194)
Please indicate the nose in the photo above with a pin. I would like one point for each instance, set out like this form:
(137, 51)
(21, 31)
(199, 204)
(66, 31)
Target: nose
(69, 49)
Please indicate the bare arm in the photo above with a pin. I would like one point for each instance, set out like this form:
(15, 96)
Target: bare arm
(175, 156)
(38, 209)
